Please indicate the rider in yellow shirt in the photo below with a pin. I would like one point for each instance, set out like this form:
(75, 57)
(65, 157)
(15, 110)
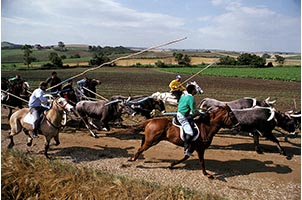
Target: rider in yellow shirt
(176, 87)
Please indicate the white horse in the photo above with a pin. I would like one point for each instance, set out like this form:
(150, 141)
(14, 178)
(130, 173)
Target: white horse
(170, 99)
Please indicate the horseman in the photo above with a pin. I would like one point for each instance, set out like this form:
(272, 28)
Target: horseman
(54, 80)
(35, 105)
(186, 111)
(176, 87)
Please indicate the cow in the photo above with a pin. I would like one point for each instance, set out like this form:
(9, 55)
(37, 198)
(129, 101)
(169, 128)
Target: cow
(146, 106)
(102, 110)
(296, 115)
(258, 121)
(246, 102)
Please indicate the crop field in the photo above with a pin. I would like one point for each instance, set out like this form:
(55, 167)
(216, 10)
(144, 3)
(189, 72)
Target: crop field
(240, 172)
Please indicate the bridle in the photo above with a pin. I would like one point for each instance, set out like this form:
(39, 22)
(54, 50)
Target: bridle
(62, 109)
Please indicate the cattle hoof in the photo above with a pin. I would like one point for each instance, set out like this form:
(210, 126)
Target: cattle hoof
(289, 157)
(95, 136)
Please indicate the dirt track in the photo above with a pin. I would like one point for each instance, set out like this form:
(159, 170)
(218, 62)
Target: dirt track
(240, 172)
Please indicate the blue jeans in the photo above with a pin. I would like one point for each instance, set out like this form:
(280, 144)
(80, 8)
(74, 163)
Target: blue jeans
(36, 112)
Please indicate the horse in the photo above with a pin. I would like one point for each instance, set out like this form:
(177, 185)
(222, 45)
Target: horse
(15, 95)
(170, 99)
(158, 129)
(50, 125)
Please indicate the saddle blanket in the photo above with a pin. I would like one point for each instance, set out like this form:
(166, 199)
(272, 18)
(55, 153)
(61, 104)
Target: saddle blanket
(29, 118)
(195, 131)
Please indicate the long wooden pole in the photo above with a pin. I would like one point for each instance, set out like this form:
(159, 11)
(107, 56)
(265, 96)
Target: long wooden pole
(198, 72)
(120, 58)
(15, 96)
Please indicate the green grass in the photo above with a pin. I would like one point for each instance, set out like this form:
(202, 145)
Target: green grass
(275, 73)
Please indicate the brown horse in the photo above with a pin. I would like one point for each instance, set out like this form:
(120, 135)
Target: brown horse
(159, 129)
(49, 127)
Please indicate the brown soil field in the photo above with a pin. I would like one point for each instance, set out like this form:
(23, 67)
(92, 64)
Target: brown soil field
(240, 173)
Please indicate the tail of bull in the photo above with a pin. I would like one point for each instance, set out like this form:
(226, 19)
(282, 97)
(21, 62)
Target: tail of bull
(137, 128)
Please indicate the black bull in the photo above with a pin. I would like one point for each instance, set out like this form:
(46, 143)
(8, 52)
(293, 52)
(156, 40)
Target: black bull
(259, 121)
(146, 106)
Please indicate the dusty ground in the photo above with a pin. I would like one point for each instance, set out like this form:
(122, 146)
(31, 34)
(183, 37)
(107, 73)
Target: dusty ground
(240, 172)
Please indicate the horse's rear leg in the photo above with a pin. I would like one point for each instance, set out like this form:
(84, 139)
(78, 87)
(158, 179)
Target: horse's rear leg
(180, 161)
(11, 144)
(144, 146)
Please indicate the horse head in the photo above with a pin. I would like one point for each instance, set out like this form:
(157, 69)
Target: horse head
(62, 104)
(197, 87)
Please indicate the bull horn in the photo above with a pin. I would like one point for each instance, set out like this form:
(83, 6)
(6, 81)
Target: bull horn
(272, 114)
(295, 115)
(270, 102)
(112, 102)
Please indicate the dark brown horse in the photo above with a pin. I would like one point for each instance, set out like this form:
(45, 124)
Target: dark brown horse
(15, 95)
(159, 129)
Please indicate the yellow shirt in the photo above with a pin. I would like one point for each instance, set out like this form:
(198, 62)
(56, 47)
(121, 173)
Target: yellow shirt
(175, 85)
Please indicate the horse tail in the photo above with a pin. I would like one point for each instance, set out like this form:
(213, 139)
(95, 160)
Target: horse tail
(138, 127)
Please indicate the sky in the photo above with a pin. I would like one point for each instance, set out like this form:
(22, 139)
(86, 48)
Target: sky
(233, 25)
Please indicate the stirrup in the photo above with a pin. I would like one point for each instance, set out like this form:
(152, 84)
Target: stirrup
(187, 152)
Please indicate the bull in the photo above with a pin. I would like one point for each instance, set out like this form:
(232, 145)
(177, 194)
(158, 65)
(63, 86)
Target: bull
(147, 106)
(143, 105)
(246, 102)
(259, 121)
(102, 110)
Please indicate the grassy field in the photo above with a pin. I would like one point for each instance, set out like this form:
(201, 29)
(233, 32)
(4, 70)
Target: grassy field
(275, 73)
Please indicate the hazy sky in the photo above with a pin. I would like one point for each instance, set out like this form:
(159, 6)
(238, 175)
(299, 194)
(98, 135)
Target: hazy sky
(240, 25)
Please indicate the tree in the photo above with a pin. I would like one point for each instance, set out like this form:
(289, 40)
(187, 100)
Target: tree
(28, 59)
(55, 59)
(227, 60)
(182, 59)
(279, 59)
(99, 59)
(61, 46)
(251, 60)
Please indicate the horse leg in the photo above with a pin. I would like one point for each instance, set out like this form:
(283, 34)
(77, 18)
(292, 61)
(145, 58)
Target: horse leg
(46, 147)
(144, 146)
(200, 153)
(179, 161)
(11, 144)
(29, 138)
(57, 140)
(10, 113)
(256, 143)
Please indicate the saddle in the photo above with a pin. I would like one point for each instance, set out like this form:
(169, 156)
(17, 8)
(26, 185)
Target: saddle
(30, 119)
(195, 129)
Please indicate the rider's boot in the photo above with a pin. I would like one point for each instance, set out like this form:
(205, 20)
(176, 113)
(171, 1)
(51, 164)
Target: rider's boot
(188, 138)
(36, 127)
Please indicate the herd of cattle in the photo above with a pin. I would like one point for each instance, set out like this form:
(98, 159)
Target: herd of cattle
(259, 118)
(256, 117)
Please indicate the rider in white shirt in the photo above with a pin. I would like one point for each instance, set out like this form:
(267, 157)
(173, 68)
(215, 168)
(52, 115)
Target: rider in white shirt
(35, 104)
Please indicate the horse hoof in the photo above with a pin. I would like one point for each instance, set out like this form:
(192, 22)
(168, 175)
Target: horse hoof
(210, 176)
(10, 146)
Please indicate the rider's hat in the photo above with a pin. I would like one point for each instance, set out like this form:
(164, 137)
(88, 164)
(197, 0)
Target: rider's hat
(178, 76)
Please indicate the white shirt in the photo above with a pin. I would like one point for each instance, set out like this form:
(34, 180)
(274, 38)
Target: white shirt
(37, 98)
